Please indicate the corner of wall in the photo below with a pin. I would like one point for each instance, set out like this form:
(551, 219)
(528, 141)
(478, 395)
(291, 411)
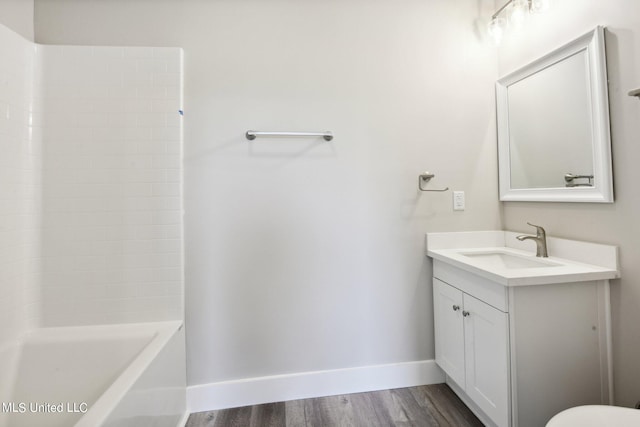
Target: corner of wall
(18, 15)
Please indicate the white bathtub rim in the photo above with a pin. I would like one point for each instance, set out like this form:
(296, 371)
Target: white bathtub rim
(159, 334)
(107, 402)
(12, 351)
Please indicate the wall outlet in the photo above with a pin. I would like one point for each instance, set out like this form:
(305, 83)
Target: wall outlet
(458, 200)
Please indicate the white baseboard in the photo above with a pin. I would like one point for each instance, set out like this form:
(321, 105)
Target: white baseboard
(278, 388)
(183, 420)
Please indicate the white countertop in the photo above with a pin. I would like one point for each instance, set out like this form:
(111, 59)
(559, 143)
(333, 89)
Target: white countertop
(452, 247)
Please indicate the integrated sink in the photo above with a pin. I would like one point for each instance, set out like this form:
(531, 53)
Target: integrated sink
(502, 258)
(506, 260)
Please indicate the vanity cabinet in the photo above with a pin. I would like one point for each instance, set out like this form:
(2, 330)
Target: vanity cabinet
(472, 348)
(517, 355)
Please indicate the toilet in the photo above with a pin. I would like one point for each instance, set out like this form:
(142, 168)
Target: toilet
(596, 416)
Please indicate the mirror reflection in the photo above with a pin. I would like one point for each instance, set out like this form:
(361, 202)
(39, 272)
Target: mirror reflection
(550, 126)
(553, 126)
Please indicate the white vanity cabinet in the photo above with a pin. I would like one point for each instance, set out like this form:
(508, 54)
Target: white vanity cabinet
(522, 338)
(472, 347)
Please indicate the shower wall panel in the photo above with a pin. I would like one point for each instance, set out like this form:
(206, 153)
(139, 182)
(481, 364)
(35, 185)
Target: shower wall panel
(19, 187)
(112, 184)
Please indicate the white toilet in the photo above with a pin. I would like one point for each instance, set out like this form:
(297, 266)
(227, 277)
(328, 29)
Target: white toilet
(596, 416)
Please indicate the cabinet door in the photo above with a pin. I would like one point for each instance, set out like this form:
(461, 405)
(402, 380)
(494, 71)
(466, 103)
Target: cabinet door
(486, 331)
(449, 332)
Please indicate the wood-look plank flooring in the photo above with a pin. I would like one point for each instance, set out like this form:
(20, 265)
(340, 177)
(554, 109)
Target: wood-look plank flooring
(431, 405)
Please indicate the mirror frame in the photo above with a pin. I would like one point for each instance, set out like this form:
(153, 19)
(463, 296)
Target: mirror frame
(602, 191)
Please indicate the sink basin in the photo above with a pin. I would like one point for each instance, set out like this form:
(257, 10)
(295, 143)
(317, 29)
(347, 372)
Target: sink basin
(500, 257)
(505, 260)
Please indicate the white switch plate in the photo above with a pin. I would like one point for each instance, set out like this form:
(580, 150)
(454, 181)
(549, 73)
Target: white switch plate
(458, 200)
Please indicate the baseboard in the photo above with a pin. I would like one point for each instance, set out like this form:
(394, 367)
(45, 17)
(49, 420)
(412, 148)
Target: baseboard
(183, 420)
(278, 388)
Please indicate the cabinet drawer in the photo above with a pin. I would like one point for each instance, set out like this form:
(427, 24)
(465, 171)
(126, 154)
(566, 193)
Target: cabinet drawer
(490, 292)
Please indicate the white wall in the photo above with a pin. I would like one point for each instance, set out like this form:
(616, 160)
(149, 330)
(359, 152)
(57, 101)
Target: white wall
(304, 255)
(611, 224)
(111, 193)
(19, 188)
(18, 16)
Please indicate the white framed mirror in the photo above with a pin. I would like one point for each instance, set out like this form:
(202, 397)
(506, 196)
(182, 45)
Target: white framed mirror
(554, 143)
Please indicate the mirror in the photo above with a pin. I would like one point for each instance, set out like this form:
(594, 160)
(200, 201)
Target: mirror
(553, 126)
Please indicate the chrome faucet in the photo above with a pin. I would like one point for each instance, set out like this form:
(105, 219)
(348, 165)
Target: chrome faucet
(540, 238)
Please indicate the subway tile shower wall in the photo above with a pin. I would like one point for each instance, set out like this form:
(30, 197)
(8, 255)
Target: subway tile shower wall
(111, 134)
(19, 187)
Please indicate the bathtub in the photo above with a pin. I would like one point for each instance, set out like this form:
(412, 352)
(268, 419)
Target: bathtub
(89, 376)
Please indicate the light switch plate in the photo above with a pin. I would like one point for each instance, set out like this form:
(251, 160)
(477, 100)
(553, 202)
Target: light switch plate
(458, 200)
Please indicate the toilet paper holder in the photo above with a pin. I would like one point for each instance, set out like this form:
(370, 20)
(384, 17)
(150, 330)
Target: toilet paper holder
(425, 178)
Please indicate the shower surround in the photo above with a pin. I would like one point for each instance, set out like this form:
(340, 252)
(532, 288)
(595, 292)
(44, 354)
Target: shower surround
(90, 197)
(20, 215)
(111, 191)
(91, 184)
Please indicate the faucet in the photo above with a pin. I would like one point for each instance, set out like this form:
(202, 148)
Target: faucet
(540, 238)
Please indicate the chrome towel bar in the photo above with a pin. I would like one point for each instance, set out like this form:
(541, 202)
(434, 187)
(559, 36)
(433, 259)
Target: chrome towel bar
(253, 134)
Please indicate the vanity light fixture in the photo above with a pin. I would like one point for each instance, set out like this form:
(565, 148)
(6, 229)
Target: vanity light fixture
(539, 5)
(516, 11)
(496, 28)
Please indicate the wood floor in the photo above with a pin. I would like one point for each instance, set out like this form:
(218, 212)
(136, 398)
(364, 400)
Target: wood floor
(432, 405)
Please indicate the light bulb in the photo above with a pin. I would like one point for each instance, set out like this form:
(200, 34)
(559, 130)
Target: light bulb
(496, 29)
(518, 12)
(538, 6)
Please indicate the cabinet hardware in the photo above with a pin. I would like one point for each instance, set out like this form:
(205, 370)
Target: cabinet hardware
(456, 307)
(465, 313)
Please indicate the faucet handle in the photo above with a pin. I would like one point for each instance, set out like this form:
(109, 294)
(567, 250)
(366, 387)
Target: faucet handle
(539, 229)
